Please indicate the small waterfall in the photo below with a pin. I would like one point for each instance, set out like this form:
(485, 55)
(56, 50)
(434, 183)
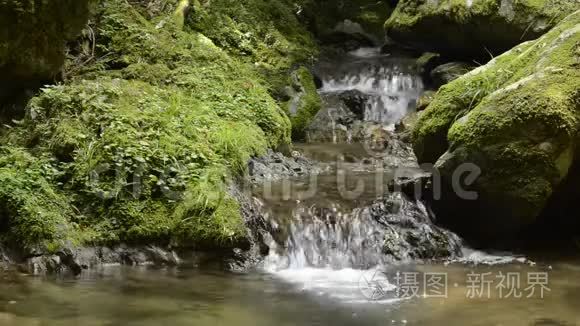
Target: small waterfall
(328, 237)
(392, 85)
(327, 246)
(328, 242)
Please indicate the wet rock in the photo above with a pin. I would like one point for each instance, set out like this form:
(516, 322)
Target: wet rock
(448, 72)
(332, 123)
(417, 186)
(425, 100)
(356, 101)
(275, 166)
(369, 15)
(304, 101)
(347, 41)
(409, 232)
(395, 49)
(427, 62)
(381, 232)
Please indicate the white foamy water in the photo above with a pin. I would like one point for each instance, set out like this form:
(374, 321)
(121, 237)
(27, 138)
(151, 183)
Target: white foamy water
(327, 252)
(392, 85)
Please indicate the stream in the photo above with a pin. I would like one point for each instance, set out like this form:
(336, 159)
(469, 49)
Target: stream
(325, 265)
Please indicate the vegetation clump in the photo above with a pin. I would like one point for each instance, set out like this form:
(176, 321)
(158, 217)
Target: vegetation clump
(140, 143)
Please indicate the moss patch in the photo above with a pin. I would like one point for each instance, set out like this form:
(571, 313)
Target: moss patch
(142, 141)
(305, 104)
(470, 29)
(266, 34)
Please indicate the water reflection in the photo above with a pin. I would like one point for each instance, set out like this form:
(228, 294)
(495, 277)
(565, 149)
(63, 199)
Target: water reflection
(133, 296)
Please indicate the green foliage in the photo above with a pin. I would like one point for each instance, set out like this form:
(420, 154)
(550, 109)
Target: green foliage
(144, 139)
(266, 34)
(33, 212)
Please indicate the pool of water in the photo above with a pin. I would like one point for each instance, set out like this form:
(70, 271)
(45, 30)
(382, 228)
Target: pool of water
(187, 296)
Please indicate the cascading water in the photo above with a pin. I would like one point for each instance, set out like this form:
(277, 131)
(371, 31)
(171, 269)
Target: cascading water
(327, 242)
(391, 84)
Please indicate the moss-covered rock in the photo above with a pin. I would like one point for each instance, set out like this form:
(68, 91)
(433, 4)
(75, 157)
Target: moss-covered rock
(304, 103)
(467, 28)
(143, 140)
(517, 119)
(266, 34)
(33, 36)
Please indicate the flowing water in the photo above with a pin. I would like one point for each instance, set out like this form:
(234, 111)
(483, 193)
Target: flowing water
(325, 265)
(391, 84)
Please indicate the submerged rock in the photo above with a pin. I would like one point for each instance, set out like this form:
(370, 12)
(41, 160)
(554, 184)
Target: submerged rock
(474, 28)
(517, 120)
(356, 101)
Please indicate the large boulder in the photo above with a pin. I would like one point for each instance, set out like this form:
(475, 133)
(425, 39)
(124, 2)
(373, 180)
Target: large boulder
(474, 28)
(517, 120)
(32, 39)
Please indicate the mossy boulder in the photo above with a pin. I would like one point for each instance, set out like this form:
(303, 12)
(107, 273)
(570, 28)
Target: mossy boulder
(516, 119)
(474, 28)
(33, 36)
(141, 145)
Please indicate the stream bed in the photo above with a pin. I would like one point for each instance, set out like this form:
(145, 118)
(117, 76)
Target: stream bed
(326, 264)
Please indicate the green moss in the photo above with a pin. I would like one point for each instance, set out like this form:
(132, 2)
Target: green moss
(460, 96)
(34, 213)
(306, 104)
(266, 34)
(144, 139)
(454, 28)
(516, 118)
